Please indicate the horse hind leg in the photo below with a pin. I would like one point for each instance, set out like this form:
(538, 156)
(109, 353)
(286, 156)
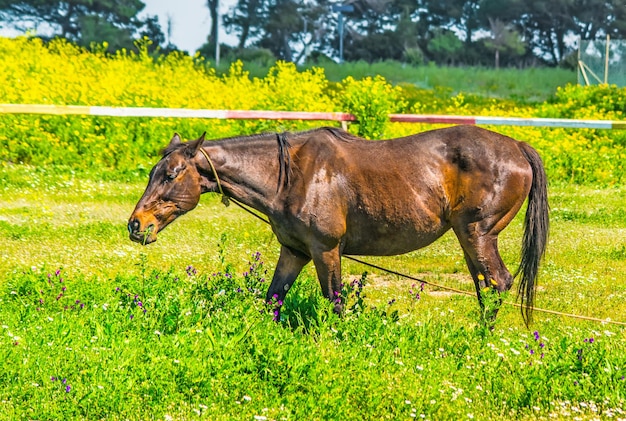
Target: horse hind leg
(480, 247)
(486, 266)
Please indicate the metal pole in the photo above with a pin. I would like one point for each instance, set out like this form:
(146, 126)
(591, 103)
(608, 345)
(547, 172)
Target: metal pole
(339, 8)
(217, 32)
(606, 59)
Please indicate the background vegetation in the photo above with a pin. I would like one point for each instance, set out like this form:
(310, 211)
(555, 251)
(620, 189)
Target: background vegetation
(93, 326)
(42, 73)
(490, 33)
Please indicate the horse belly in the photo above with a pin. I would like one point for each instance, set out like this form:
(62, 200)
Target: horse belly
(387, 239)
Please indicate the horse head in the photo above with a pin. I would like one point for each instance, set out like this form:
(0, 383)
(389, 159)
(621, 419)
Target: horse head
(174, 188)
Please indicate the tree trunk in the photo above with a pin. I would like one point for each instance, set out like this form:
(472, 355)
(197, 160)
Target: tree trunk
(213, 6)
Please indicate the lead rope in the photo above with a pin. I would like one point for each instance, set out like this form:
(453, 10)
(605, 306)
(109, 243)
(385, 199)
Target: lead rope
(225, 201)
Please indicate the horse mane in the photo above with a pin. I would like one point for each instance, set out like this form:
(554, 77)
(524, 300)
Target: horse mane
(341, 134)
(284, 159)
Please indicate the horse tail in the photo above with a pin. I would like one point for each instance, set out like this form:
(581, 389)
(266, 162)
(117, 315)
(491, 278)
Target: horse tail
(536, 226)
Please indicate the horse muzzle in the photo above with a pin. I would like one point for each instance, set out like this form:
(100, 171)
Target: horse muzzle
(143, 236)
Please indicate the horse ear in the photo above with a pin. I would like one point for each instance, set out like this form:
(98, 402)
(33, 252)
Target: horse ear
(195, 145)
(175, 140)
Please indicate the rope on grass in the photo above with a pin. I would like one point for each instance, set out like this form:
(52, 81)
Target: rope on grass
(459, 291)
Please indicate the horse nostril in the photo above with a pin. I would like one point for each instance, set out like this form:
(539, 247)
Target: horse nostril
(133, 226)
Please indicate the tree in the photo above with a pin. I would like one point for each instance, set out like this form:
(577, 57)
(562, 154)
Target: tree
(597, 18)
(290, 29)
(503, 39)
(82, 21)
(445, 46)
(245, 19)
(213, 6)
(546, 26)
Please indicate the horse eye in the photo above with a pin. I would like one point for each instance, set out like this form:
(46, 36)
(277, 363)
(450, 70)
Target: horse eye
(173, 173)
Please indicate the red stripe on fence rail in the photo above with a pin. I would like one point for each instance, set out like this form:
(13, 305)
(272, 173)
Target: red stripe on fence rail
(288, 115)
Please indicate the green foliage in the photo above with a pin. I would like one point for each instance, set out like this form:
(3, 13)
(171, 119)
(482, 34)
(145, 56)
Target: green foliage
(370, 100)
(60, 73)
(182, 344)
(445, 46)
(595, 101)
(84, 22)
(414, 56)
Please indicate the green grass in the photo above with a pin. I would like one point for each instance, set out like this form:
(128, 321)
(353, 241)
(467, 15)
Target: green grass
(525, 85)
(178, 329)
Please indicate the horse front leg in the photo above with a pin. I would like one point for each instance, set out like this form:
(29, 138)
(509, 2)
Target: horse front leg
(289, 266)
(328, 268)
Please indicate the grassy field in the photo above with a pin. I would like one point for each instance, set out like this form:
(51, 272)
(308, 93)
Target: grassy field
(93, 326)
(527, 85)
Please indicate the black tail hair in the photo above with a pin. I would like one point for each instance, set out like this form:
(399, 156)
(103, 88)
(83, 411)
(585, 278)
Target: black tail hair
(536, 227)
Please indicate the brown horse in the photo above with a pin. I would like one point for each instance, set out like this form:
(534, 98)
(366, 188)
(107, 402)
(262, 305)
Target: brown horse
(328, 193)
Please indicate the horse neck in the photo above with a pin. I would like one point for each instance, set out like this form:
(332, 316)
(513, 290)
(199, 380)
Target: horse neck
(248, 169)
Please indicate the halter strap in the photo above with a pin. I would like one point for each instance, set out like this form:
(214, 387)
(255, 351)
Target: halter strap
(225, 200)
